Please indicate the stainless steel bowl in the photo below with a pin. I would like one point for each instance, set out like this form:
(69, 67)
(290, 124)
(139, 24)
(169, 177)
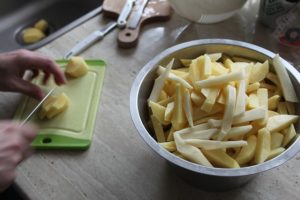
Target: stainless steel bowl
(208, 178)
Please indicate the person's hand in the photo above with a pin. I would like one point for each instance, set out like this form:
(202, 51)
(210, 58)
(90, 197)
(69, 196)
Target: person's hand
(14, 148)
(13, 66)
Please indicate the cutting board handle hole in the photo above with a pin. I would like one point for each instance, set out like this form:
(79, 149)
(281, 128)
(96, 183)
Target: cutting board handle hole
(128, 34)
(46, 140)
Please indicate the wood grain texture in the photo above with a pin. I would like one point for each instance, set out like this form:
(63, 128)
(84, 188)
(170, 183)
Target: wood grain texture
(119, 164)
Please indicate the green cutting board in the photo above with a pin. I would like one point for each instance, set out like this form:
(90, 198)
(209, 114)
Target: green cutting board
(72, 129)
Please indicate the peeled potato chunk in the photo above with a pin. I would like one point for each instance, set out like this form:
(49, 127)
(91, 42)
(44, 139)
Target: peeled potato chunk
(76, 67)
(32, 35)
(54, 105)
(42, 25)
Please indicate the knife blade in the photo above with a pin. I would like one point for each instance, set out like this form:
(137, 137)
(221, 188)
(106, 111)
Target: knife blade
(39, 104)
(122, 19)
(137, 15)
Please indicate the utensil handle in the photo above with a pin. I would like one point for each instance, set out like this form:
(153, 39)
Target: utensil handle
(82, 45)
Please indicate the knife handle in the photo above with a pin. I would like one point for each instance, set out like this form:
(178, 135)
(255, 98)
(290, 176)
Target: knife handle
(155, 11)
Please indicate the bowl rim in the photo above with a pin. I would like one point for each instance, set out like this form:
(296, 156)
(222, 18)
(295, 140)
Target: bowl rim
(293, 149)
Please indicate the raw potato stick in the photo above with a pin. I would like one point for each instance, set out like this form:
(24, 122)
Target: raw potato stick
(285, 81)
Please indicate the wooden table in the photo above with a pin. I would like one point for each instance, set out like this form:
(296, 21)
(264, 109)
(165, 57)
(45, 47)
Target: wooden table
(119, 164)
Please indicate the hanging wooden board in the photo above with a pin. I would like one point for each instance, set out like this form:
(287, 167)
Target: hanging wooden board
(155, 11)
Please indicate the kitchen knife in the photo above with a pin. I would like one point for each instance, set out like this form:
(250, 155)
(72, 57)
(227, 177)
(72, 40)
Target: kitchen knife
(39, 104)
(98, 35)
(136, 15)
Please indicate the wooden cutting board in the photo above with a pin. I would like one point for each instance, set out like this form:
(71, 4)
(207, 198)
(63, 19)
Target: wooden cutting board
(155, 11)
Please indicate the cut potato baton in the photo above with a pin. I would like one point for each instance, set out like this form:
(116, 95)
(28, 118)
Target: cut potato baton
(275, 152)
(259, 72)
(188, 151)
(289, 134)
(250, 115)
(178, 117)
(276, 140)
(158, 111)
(240, 105)
(158, 129)
(212, 144)
(220, 80)
(159, 83)
(188, 108)
(273, 102)
(279, 122)
(201, 134)
(169, 146)
(229, 111)
(169, 111)
(175, 78)
(219, 158)
(284, 79)
(263, 146)
(247, 152)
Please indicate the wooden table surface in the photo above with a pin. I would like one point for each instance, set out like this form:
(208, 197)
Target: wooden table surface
(119, 164)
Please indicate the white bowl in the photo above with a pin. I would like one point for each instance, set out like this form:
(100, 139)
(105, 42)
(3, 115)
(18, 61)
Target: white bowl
(207, 11)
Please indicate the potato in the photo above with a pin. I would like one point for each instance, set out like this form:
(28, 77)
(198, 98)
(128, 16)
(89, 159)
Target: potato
(54, 105)
(247, 152)
(32, 35)
(275, 152)
(289, 134)
(158, 129)
(76, 67)
(222, 113)
(259, 72)
(158, 111)
(279, 122)
(263, 146)
(219, 158)
(42, 25)
(178, 118)
(276, 140)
